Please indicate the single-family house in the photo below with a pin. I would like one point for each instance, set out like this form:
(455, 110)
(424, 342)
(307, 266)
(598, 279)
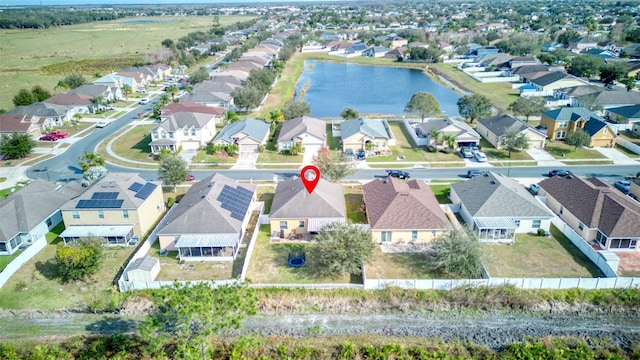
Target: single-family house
(108, 93)
(308, 131)
(366, 134)
(496, 207)
(595, 211)
(139, 79)
(495, 127)
(376, 51)
(187, 106)
(56, 114)
(203, 96)
(403, 212)
(31, 212)
(182, 130)
(464, 134)
(444, 46)
(551, 47)
(355, 49)
(209, 221)
(605, 55)
(248, 134)
(115, 80)
(399, 52)
(24, 124)
(75, 103)
(628, 114)
(610, 98)
(484, 50)
(120, 208)
(554, 80)
(560, 122)
(397, 42)
(519, 61)
(296, 213)
(497, 60)
(583, 43)
(634, 188)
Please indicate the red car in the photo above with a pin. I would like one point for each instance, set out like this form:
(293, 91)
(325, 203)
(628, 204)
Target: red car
(59, 134)
(49, 137)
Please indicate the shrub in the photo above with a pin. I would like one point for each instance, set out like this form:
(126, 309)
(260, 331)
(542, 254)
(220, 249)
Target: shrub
(171, 201)
(447, 150)
(431, 148)
(231, 150)
(542, 232)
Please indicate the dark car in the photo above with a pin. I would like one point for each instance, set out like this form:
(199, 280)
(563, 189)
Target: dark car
(622, 185)
(559, 172)
(473, 172)
(49, 137)
(398, 174)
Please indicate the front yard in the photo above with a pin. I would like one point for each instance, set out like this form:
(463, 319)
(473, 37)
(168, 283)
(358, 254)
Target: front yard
(538, 256)
(560, 150)
(495, 154)
(134, 144)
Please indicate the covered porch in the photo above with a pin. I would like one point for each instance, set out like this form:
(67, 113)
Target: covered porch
(490, 229)
(208, 247)
(113, 235)
(158, 145)
(313, 225)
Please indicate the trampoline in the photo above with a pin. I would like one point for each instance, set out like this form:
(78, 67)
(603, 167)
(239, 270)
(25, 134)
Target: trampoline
(296, 259)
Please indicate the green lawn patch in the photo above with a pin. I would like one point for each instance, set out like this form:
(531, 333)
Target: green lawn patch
(442, 193)
(134, 144)
(398, 165)
(203, 158)
(271, 156)
(353, 200)
(266, 193)
(560, 150)
(334, 142)
(269, 264)
(399, 266)
(627, 152)
(172, 269)
(403, 147)
(6, 259)
(495, 154)
(538, 256)
(589, 162)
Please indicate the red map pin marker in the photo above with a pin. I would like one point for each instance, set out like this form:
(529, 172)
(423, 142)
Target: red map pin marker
(311, 181)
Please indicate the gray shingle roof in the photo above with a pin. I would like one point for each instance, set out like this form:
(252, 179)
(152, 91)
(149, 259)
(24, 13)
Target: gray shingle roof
(113, 182)
(31, 205)
(612, 97)
(495, 195)
(184, 120)
(292, 201)
(90, 89)
(550, 78)
(254, 129)
(374, 128)
(200, 212)
(296, 127)
(499, 124)
(40, 109)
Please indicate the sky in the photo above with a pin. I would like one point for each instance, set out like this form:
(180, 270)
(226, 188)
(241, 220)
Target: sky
(136, 2)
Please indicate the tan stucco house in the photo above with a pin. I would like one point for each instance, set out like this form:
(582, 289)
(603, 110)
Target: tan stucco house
(561, 121)
(310, 132)
(403, 212)
(366, 134)
(295, 213)
(495, 127)
(119, 208)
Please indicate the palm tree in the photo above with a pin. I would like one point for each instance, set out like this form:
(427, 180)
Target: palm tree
(62, 86)
(173, 90)
(450, 140)
(97, 101)
(126, 90)
(435, 135)
(90, 159)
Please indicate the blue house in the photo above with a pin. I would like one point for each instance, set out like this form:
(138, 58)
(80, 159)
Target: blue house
(485, 50)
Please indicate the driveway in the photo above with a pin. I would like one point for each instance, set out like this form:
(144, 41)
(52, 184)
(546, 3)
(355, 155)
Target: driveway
(616, 156)
(188, 155)
(246, 160)
(543, 158)
(309, 152)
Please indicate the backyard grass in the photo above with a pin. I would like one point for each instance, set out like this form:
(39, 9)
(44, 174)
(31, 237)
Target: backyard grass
(26, 51)
(37, 286)
(399, 266)
(353, 200)
(629, 136)
(442, 193)
(134, 144)
(265, 193)
(495, 154)
(269, 264)
(403, 147)
(171, 269)
(284, 89)
(538, 256)
(6, 259)
(560, 150)
(334, 142)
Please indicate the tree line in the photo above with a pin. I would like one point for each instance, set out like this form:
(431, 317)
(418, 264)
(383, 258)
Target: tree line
(42, 18)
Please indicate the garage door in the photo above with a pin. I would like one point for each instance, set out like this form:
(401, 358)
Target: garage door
(248, 148)
(190, 145)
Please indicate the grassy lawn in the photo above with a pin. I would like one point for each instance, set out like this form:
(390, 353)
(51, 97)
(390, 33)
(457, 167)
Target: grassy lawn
(285, 87)
(387, 166)
(134, 144)
(353, 199)
(203, 158)
(171, 269)
(272, 156)
(334, 142)
(560, 150)
(629, 136)
(6, 259)
(37, 286)
(27, 160)
(537, 256)
(269, 264)
(442, 193)
(22, 49)
(493, 153)
(265, 193)
(398, 266)
(403, 147)
(627, 152)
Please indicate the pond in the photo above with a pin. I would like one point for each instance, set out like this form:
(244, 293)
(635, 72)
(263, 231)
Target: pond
(330, 87)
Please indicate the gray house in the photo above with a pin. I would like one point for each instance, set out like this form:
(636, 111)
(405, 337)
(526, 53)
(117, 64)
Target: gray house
(496, 207)
(208, 223)
(308, 131)
(495, 127)
(57, 114)
(248, 134)
(28, 214)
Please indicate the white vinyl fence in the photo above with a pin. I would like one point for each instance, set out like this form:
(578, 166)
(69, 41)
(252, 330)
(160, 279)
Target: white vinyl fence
(522, 283)
(21, 259)
(628, 145)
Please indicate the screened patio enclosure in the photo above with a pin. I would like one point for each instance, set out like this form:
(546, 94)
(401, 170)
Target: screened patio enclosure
(113, 235)
(208, 247)
(494, 229)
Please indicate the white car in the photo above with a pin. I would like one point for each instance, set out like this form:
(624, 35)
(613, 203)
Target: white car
(480, 156)
(143, 101)
(102, 123)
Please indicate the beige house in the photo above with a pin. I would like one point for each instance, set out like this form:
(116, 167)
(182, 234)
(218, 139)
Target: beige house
(555, 80)
(310, 132)
(295, 213)
(560, 122)
(248, 134)
(595, 211)
(183, 130)
(366, 134)
(464, 134)
(403, 212)
(120, 207)
(495, 127)
(32, 125)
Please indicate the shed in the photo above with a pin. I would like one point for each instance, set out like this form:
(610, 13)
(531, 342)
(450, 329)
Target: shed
(143, 269)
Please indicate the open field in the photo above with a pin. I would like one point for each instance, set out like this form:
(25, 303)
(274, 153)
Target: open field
(538, 256)
(25, 52)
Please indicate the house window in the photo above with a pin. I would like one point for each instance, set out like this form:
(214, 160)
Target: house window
(623, 244)
(536, 223)
(125, 214)
(100, 214)
(154, 134)
(604, 131)
(385, 236)
(75, 215)
(563, 124)
(185, 132)
(581, 226)
(301, 224)
(163, 134)
(193, 132)
(171, 135)
(517, 222)
(414, 235)
(283, 225)
(49, 222)
(561, 134)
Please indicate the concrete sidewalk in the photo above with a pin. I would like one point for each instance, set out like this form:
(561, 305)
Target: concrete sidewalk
(543, 158)
(616, 156)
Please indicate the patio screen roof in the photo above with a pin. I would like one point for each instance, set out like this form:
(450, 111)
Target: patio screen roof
(207, 240)
(315, 224)
(96, 230)
(495, 223)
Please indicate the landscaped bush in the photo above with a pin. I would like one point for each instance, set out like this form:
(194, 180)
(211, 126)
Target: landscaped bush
(231, 150)
(447, 150)
(542, 232)
(431, 148)
(171, 201)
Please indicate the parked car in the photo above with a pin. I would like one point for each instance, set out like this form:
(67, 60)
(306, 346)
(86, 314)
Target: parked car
(362, 155)
(480, 156)
(349, 155)
(622, 185)
(398, 174)
(534, 189)
(59, 134)
(111, 107)
(48, 137)
(475, 149)
(142, 90)
(466, 152)
(473, 172)
(143, 101)
(559, 172)
(191, 177)
(102, 123)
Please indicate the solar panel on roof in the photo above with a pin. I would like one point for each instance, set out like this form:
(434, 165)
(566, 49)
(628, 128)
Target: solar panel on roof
(135, 186)
(235, 200)
(100, 204)
(146, 190)
(104, 195)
